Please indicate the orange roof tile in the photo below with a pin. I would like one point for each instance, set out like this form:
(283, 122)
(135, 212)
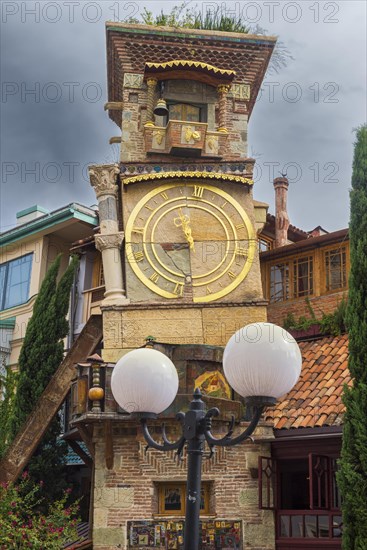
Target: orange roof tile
(316, 400)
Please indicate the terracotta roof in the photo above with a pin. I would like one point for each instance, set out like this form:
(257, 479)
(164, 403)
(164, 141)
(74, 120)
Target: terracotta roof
(316, 400)
(307, 244)
(295, 234)
(81, 243)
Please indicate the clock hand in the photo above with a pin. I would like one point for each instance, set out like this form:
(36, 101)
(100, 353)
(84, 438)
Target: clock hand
(183, 221)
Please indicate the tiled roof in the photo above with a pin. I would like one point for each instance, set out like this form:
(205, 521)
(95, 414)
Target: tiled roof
(72, 459)
(316, 400)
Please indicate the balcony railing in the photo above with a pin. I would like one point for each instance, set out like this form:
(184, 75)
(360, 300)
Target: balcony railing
(309, 524)
(183, 138)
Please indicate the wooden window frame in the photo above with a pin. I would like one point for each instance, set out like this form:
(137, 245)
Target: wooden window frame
(319, 481)
(308, 259)
(97, 276)
(6, 268)
(315, 511)
(285, 297)
(161, 486)
(203, 111)
(267, 483)
(325, 251)
(291, 263)
(267, 241)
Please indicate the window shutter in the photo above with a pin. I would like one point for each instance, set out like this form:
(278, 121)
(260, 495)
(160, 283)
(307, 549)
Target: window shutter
(319, 481)
(267, 483)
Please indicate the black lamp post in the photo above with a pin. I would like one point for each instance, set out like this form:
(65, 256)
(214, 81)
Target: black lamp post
(261, 362)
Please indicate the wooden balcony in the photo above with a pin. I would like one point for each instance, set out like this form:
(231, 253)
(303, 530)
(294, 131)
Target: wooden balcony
(92, 299)
(309, 529)
(185, 139)
(81, 409)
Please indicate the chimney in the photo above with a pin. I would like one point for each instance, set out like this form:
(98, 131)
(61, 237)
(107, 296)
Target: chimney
(281, 214)
(30, 214)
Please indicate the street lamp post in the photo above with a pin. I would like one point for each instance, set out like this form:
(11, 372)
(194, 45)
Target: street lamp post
(261, 361)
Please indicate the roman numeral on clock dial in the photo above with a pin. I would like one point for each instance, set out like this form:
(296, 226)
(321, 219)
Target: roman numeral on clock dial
(198, 192)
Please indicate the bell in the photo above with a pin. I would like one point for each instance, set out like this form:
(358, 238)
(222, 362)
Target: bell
(161, 108)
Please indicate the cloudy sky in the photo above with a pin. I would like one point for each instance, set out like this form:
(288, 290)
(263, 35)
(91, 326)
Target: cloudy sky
(53, 71)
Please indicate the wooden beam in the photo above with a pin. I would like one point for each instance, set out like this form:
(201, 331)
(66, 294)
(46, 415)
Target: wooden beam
(108, 445)
(37, 423)
(87, 436)
(114, 106)
(81, 453)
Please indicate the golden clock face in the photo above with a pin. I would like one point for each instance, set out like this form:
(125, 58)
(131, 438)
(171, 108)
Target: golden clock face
(187, 239)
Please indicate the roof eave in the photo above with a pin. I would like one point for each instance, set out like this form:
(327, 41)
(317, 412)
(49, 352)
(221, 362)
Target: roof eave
(45, 222)
(186, 32)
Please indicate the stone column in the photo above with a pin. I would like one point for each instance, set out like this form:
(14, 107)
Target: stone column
(152, 85)
(223, 90)
(281, 214)
(103, 180)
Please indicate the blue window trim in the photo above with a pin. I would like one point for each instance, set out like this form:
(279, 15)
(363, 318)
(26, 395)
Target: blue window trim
(6, 279)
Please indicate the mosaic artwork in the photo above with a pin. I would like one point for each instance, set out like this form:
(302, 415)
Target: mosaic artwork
(167, 535)
(214, 384)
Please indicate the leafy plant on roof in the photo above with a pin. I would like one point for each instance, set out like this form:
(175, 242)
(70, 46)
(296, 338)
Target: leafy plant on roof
(213, 19)
(330, 323)
(352, 476)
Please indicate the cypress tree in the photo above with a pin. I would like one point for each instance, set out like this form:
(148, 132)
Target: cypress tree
(7, 389)
(40, 356)
(352, 477)
(32, 357)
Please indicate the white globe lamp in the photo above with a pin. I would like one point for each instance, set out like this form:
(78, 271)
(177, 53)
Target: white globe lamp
(262, 362)
(144, 381)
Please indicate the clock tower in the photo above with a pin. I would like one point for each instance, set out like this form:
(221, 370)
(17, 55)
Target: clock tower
(178, 221)
(179, 245)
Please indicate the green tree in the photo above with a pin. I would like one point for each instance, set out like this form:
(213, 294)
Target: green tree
(41, 354)
(7, 395)
(352, 477)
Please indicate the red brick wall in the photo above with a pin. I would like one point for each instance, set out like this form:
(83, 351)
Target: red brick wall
(233, 489)
(320, 304)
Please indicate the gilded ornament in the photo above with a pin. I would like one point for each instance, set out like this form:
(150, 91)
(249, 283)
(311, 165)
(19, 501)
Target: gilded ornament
(191, 64)
(158, 135)
(223, 88)
(96, 394)
(198, 175)
(191, 133)
(152, 82)
(212, 143)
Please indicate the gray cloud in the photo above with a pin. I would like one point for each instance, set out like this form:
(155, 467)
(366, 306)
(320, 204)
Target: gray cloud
(306, 125)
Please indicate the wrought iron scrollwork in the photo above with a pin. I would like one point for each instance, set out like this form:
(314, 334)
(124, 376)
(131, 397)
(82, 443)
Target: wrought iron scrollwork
(203, 428)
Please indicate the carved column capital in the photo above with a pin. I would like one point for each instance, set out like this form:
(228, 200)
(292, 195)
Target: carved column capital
(223, 88)
(103, 179)
(105, 242)
(152, 82)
